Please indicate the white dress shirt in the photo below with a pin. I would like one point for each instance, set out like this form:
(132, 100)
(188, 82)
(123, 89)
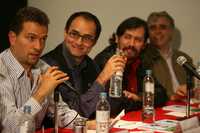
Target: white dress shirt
(16, 91)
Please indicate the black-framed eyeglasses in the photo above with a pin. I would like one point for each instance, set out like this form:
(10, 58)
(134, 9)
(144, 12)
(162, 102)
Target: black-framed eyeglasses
(85, 38)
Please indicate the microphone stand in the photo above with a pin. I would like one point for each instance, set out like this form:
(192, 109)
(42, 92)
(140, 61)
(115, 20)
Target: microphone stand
(56, 100)
(189, 88)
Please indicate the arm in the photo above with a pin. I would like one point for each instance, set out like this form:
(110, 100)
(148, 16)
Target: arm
(91, 97)
(11, 113)
(14, 97)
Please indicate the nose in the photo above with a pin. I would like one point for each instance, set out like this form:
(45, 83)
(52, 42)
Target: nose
(157, 30)
(79, 41)
(39, 45)
(132, 41)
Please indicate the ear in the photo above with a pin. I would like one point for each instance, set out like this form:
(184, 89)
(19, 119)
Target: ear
(12, 37)
(116, 39)
(65, 33)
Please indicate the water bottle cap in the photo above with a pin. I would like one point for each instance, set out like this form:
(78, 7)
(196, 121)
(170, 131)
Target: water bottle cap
(103, 94)
(148, 72)
(27, 109)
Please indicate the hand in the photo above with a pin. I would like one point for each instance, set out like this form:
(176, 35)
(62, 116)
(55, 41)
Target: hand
(181, 90)
(48, 82)
(131, 95)
(91, 124)
(181, 93)
(114, 64)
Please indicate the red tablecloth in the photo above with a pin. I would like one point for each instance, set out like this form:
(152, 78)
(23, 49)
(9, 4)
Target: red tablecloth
(60, 131)
(132, 116)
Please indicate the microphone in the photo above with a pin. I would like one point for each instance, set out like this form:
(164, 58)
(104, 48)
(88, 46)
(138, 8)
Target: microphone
(44, 68)
(181, 60)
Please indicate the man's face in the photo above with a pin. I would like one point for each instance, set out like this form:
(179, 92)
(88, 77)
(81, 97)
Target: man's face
(160, 32)
(132, 42)
(28, 45)
(80, 37)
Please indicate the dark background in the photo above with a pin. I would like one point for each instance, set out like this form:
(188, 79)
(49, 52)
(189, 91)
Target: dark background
(8, 9)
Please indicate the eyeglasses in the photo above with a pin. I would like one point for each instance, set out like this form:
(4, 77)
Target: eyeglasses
(88, 39)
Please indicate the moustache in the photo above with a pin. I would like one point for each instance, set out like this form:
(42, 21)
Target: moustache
(134, 51)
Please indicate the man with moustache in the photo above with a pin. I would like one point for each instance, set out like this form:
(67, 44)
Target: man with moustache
(130, 37)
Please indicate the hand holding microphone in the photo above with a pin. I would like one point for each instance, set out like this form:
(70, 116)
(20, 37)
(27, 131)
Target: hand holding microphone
(48, 82)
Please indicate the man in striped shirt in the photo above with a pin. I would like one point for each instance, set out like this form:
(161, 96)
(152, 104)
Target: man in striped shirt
(24, 78)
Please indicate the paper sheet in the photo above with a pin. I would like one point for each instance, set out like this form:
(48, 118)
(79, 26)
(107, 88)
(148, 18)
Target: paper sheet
(127, 124)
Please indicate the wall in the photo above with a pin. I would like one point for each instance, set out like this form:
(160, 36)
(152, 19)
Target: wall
(112, 12)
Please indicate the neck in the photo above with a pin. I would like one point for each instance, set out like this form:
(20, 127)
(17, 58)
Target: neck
(78, 60)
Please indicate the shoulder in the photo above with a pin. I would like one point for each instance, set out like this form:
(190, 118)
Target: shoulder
(104, 55)
(149, 55)
(3, 68)
(52, 56)
(53, 52)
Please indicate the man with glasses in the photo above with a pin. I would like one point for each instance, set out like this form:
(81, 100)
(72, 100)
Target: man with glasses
(82, 31)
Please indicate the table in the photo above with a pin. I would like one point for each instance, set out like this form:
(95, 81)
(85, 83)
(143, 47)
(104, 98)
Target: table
(134, 116)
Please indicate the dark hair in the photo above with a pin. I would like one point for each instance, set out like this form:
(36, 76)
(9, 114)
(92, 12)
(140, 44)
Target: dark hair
(87, 16)
(26, 14)
(156, 15)
(130, 23)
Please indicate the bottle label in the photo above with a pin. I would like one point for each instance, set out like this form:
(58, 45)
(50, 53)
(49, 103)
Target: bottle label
(102, 119)
(149, 87)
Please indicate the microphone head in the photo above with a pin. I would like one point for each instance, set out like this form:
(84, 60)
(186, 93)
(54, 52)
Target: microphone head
(181, 60)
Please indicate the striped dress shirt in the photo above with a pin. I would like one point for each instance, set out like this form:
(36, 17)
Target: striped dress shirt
(16, 90)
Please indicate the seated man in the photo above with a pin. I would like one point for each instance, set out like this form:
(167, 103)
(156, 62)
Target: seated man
(25, 79)
(82, 31)
(130, 37)
(161, 57)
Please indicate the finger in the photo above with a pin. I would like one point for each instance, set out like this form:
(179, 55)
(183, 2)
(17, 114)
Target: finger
(60, 76)
(57, 72)
(51, 69)
(181, 93)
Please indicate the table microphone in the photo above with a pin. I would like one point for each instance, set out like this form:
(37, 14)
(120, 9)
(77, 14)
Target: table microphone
(181, 60)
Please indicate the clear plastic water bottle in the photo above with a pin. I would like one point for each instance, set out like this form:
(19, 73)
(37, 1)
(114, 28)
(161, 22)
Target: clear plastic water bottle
(148, 114)
(116, 81)
(102, 114)
(27, 123)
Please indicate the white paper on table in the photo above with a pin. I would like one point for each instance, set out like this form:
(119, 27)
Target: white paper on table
(189, 124)
(118, 117)
(127, 124)
(177, 114)
(175, 108)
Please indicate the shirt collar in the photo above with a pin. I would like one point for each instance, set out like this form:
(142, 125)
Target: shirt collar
(17, 69)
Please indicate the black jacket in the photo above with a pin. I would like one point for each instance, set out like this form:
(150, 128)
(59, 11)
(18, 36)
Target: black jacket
(85, 103)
